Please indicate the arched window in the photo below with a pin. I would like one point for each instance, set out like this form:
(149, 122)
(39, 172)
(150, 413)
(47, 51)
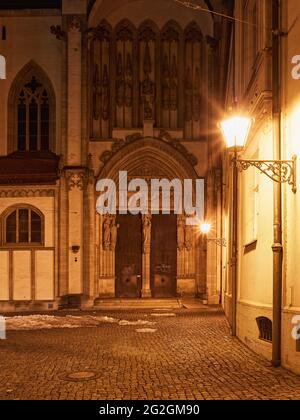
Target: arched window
(33, 117)
(23, 226)
(31, 111)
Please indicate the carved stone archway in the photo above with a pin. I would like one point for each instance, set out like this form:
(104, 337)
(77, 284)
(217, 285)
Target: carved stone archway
(150, 158)
(136, 153)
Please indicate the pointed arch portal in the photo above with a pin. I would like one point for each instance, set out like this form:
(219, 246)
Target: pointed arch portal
(148, 256)
(136, 157)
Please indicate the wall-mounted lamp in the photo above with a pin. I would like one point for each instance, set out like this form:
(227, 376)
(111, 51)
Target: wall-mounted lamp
(235, 131)
(205, 228)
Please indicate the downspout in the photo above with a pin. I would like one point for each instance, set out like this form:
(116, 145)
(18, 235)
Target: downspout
(234, 244)
(277, 218)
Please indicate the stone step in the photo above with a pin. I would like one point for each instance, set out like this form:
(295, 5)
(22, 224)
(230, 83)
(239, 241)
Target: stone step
(138, 303)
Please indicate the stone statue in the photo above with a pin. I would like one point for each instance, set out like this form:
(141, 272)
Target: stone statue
(105, 94)
(113, 234)
(96, 111)
(173, 86)
(146, 233)
(148, 87)
(180, 233)
(188, 96)
(148, 95)
(128, 83)
(106, 232)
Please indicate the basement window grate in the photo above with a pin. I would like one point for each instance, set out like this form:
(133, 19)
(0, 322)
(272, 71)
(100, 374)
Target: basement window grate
(265, 328)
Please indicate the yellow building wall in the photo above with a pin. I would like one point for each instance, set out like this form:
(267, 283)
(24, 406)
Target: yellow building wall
(291, 201)
(21, 278)
(255, 268)
(4, 275)
(28, 274)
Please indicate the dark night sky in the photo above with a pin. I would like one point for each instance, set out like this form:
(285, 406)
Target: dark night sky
(56, 4)
(30, 4)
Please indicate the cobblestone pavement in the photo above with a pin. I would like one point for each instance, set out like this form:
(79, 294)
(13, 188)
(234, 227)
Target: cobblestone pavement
(190, 356)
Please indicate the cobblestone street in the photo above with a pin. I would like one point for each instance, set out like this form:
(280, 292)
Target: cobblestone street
(189, 356)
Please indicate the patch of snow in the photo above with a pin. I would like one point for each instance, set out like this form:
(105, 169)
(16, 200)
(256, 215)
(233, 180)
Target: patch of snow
(162, 309)
(38, 322)
(146, 330)
(106, 319)
(46, 322)
(124, 322)
(164, 314)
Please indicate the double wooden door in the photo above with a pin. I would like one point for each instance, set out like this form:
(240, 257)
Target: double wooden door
(129, 256)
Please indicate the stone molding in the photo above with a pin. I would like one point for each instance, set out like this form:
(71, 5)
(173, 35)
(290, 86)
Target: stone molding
(26, 193)
(118, 144)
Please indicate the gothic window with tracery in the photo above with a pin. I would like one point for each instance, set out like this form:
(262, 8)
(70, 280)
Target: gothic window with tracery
(33, 116)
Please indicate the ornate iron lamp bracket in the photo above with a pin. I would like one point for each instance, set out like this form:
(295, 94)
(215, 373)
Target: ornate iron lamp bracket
(218, 241)
(281, 171)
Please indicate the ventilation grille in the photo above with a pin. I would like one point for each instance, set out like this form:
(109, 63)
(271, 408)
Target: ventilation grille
(265, 328)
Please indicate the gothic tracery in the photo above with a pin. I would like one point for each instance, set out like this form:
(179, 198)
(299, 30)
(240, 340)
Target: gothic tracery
(137, 75)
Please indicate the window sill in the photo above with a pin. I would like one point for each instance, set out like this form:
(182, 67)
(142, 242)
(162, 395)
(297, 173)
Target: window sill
(22, 246)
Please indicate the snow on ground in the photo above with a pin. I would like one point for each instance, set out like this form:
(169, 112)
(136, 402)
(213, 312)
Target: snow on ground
(146, 330)
(139, 322)
(41, 322)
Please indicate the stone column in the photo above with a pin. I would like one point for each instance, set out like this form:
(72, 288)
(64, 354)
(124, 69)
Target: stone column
(180, 252)
(75, 170)
(76, 181)
(89, 269)
(63, 238)
(213, 265)
(75, 22)
(107, 240)
(146, 288)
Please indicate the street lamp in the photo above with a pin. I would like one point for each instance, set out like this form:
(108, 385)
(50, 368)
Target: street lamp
(205, 228)
(235, 131)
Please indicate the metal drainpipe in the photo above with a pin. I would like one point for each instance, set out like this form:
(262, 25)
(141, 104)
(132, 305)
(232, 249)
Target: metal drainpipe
(277, 221)
(234, 245)
(234, 230)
